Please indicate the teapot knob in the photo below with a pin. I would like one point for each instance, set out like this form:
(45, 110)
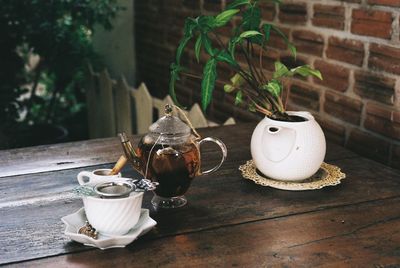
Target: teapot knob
(168, 109)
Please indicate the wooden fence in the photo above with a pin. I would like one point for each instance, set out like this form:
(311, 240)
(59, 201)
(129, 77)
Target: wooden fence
(114, 106)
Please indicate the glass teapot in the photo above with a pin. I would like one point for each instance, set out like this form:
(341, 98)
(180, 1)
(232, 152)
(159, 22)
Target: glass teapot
(170, 155)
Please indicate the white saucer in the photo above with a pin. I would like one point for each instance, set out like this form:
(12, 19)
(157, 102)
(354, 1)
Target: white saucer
(76, 220)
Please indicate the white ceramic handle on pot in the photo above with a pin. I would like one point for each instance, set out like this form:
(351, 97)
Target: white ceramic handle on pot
(82, 175)
(224, 153)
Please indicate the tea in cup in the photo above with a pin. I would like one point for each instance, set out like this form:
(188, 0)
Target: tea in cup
(96, 176)
(116, 215)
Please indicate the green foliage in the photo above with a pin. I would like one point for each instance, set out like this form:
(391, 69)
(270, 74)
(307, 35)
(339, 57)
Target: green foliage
(224, 17)
(251, 86)
(238, 3)
(274, 87)
(251, 18)
(208, 82)
(60, 33)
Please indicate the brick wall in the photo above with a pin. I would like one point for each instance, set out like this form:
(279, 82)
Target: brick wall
(354, 43)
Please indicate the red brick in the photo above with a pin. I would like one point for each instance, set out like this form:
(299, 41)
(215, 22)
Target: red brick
(391, 3)
(334, 76)
(308, 42)
(369, 146)
(329, 16)
(190, 4)
(184, 95)
(224, 32)
(212, 5)
(375, 87)
(346, 50)
(267, 11)
(276, 41)
(343, 107)
(294, 13)
(333, 132)
(395, 161)
(372, 23)
(304, 95)
(383, 120)
(384, 58)
(291, 62)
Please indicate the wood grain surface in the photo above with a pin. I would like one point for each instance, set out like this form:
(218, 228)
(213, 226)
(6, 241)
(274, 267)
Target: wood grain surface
(228, 221)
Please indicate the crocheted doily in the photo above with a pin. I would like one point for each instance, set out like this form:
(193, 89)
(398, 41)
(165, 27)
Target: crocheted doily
(327, 175)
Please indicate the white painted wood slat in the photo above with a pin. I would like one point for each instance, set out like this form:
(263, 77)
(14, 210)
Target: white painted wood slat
(115, 107)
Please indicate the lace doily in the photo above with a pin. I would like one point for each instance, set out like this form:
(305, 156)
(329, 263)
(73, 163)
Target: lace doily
(327, 175)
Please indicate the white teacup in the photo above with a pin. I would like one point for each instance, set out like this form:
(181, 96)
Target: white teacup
(96, 176)
(113, 216)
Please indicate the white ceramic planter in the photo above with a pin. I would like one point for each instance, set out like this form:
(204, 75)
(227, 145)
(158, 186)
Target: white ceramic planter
(288, 151)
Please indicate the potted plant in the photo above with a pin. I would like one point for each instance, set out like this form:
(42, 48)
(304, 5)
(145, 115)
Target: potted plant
(285, 145)
(46, 46)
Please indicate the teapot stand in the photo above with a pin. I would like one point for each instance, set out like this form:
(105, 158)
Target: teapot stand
(159, 202)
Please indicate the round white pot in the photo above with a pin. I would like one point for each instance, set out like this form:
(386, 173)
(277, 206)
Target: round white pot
(288, 151)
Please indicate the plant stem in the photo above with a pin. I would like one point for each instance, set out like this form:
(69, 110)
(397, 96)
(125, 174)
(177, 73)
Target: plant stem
(260, 65)
(249, 64)
(257, 71)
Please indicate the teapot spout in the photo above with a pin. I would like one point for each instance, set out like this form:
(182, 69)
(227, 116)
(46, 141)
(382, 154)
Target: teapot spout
(130, 152)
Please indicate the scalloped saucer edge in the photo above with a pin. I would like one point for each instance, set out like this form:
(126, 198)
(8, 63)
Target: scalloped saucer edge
(77, 219)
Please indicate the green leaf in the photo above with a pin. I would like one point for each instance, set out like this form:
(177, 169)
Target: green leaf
(280, 70)
(267, 31)
(252, 107)
(208, 82)
(197, 48)
(239, 97)
(226, 57)
(206, 23)
(229, 88)
(251, 18)
(248, 34)
(306, 70)
(258, 39)
(232, 45)
(237, 80)
(181, 47)
(175, 69)
(274, 87)
(292, 49)
(237, 3)
(207, 44)
(190, 25)
(224, 17)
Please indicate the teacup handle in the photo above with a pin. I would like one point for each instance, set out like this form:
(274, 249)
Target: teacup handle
(224, 153)
(82, 175)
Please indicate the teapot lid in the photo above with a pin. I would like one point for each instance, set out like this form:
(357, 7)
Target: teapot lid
(169, 125)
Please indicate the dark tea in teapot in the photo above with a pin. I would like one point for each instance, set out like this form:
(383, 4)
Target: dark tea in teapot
(172, 166)
(170, 155)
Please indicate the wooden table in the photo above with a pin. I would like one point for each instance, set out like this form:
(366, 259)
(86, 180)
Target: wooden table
(228, 221)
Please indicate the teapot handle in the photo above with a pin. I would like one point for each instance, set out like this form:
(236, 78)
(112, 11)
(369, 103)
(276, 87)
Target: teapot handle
(224, 153)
